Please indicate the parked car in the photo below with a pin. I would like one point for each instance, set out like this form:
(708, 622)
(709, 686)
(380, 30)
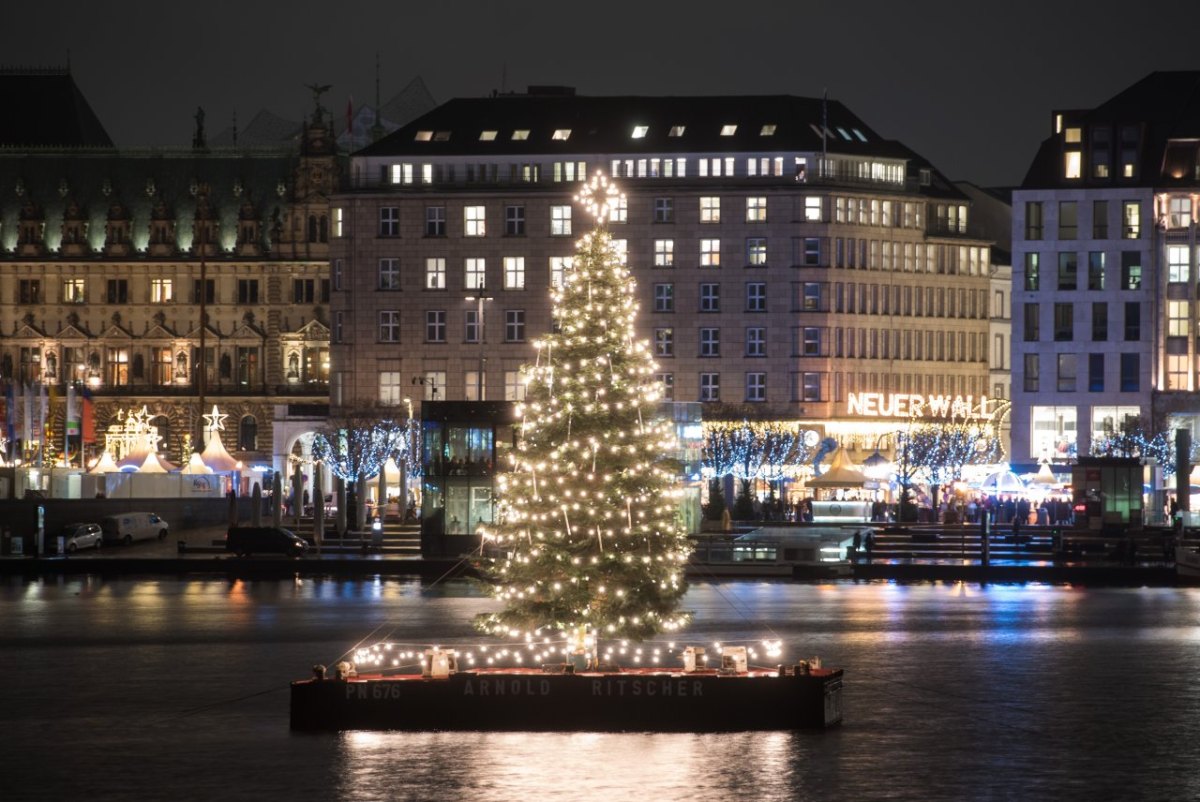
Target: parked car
(130, 526)
(81, 536)
(246, 540)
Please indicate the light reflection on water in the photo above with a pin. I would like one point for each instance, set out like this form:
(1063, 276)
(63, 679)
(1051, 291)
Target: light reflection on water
(157, 688)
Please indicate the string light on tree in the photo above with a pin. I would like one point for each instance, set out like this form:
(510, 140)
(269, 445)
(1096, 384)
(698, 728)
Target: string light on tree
(588, 503)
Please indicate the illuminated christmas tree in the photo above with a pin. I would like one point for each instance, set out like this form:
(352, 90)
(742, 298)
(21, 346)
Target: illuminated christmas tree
(588, 506)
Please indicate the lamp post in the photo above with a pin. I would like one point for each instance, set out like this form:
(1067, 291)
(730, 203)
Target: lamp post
(479, 299)
(405, 459)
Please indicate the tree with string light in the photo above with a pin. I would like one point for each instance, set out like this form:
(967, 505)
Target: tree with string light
(356, 445)
(588, 517)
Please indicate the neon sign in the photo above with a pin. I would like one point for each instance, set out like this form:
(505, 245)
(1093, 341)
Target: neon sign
(912, 405)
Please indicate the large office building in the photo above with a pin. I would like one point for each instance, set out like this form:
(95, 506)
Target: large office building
(791, 263)
(1105, 272)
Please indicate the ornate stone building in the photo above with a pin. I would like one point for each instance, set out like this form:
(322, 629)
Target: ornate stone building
(112, 259)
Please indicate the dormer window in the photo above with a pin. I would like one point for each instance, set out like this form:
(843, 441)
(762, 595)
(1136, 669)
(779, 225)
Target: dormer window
(728, 130)
(520, 134)
(676, 130)
(767, 130)
(441, 136)
(487, 136)
(859, 134)
(561, 134)
(423, 136)
(1073, 135)
(845, 134)
(639, 131)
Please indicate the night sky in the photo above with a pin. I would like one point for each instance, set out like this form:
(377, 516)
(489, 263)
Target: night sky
(970, 89)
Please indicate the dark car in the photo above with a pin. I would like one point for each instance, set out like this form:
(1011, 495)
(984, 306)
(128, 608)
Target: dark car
(246, 540)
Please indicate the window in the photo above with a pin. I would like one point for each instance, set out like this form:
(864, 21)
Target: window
(161, 366)
(812, 209)
(1066, 373)
(389, 326)
(390, 388)
(514, 325)
(756, 387)
(435, 273)
(435, 221)
(1131, 216)
(389, 274)
(1099, 322)
(389, 221)
(74, 291)
(339, 217)
(1032, 368)
(811, 296)
(475, 274)
(1178, 262)
(304, 291)
(710, 209)
(756, 341)
(667, 380)
(1095, 373)
(756, 296)
(664, 341)
(1068, 220)
(1179, 212)
(561, 134)
(247, 291)
(756, 210)
(710, 297)
(619, 210)
(710, 342)
(514, 272)
(435, 385)
(514, 386)
(339, 327)
(116, 367)
(520, 134)
(475, 385)
(710, 253)
(664, 297)
(1130, 373)
(338, 268)
(514, 221)
(117, 291)
(558, 269)
(472, 326)
(162, 290)
(1033, 220)
(474, 221)
(810, 386)
(1133, 321)
(1073, 164)
(1032, 275)
(1096, 270)
(1100, 219)
(1178, 323)
(1068, 268)
(812, 251)
(435, 326)
(1131, 270)
(664, 210)
(756, 251)
(664, 253)
(1031, 323)
(710, 386)
(728, 130)
(30, 291)
(1064, 322)
(560, 221)
(810, 342)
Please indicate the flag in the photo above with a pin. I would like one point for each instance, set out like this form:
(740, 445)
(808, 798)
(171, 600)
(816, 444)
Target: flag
(89, 418)
(72, 417)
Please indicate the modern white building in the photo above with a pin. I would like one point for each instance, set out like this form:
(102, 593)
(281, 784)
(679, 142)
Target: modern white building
(1105, 272)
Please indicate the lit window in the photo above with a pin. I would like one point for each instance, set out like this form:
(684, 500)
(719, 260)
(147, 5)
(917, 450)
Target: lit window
(558, 269)
(475, 274)
(161, 290)
(676, 130)
(562, 134)
(423, 136)
(728, 130)
(710, 253)
(520, 134)
(338, 218)
(435, 273)
(664, 252)
(812, 209)
(560, 221)
(1073, 135)
(710, 209)
(487, 136)
(639, 131)
(474, 223)
(859, 134)
(514, 272)
(756, 209)
(1073, 166)
(767, 130)
(514, 385)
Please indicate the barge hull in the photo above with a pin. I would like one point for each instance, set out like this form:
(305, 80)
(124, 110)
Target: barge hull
(571, 702)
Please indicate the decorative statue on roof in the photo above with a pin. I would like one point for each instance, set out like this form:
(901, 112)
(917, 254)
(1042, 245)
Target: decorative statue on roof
(198, 141)
(318, 90)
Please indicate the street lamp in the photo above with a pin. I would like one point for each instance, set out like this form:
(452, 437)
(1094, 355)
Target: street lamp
(479, 299)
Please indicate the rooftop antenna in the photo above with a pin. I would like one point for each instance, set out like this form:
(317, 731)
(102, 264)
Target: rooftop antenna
(377, 130)
(235, 128)
(824, 129)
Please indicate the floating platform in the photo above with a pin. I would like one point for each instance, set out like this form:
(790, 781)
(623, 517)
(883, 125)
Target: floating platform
(530, 699)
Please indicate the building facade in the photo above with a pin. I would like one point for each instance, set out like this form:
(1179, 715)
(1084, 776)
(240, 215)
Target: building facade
(1104, 272)
(166, 279)
(790, 262)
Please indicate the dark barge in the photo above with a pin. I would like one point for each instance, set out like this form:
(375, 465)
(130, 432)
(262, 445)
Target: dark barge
(529, 699)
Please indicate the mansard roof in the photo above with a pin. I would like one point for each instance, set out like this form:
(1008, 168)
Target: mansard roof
(44, 108)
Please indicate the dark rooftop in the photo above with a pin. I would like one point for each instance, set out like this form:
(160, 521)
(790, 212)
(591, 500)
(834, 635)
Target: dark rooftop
(44, 108)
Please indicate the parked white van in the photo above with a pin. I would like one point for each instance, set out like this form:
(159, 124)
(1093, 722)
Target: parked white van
(130, 526)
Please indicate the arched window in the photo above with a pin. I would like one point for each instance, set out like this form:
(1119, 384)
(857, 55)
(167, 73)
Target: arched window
(248, 434)
(324, 228)
(312, 228)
